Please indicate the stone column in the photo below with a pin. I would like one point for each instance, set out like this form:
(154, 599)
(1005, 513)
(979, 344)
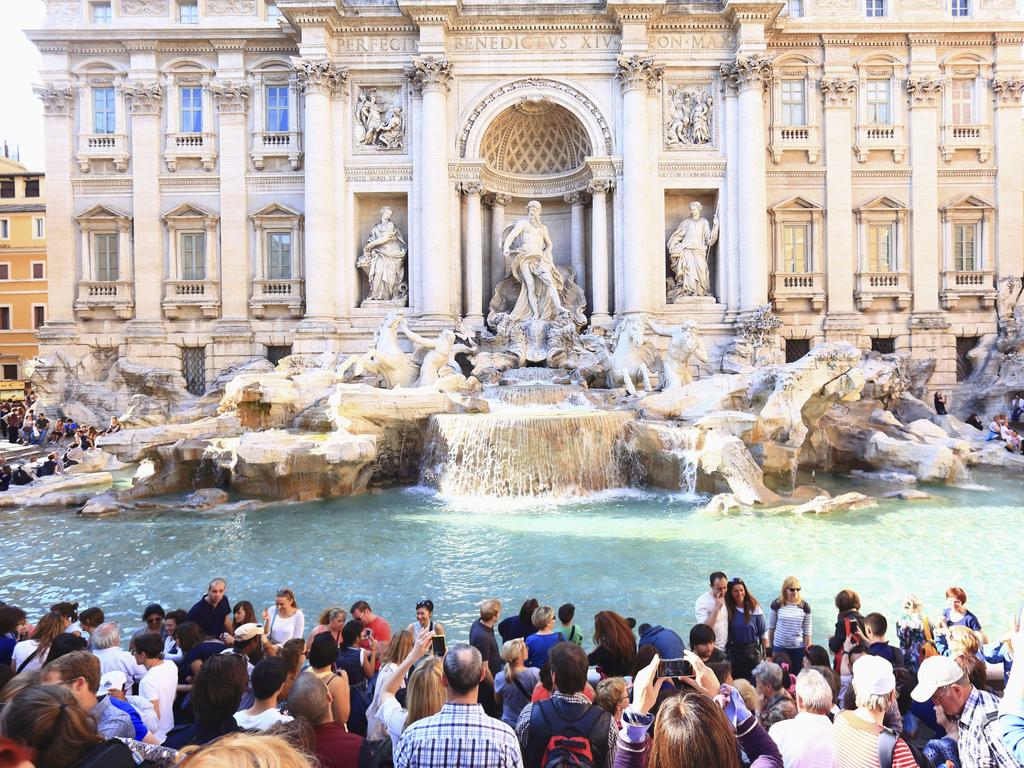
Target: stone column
(839, 95)
(599, 190)
(578, 237)
(499, 269)
(637, 75)
(924, 96)
(430, 75)
(750, 75)
(320, 81)
(474, 254)
(1009, 143)
(146, 99)
(126, 263)
(235, 274)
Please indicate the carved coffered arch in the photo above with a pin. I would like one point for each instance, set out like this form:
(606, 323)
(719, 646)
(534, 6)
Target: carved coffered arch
(532, 89)
(535, 137)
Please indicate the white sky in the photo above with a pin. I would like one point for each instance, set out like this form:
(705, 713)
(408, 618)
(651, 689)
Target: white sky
(21, 113)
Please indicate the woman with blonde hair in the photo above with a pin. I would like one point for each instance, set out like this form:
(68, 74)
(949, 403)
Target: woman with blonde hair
(424, 695)
(284, 620)
(31, 654)
(544, 639)
(789, 624)
(611, 696)
(514, 685)
(398, 648)
(245, 750)
(331, 620)
(914, 631)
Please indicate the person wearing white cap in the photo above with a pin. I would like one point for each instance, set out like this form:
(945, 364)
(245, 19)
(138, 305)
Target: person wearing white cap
(941, 681)
(113, 685)
(249, 645)
(856, 733)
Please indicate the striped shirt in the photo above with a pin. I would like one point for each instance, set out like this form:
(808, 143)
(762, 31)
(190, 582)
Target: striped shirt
(855, 744)
(791, 624)
(459, 736)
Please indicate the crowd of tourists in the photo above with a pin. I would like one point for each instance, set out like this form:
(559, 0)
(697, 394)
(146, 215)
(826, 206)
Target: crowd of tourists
(222, 685)
(65, 441)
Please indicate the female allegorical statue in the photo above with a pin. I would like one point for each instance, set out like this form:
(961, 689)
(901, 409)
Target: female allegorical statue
(383, 260)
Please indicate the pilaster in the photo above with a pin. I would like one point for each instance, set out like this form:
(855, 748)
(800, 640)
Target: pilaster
(924, 97)
(1009, 141)
(58, 110)
(145, 98)
(839, 95)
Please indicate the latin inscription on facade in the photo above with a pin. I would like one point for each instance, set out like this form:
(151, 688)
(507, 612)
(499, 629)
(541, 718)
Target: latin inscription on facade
(534, 42)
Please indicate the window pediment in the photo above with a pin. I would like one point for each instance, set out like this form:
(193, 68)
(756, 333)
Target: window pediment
(276, 212)
(967, 203)
(188, 214)
(796, 204)
(100, 212)
(882, 204)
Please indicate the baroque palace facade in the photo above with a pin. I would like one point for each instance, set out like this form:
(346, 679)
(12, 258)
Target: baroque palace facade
(229, 179)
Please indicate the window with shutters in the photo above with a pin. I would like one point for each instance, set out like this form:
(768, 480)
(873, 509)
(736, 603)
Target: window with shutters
(193, 255)
(795, 253)
(964, 238)
(103, 114)
(880, 248)
(794, 102)
(279, 255)
(106, 246)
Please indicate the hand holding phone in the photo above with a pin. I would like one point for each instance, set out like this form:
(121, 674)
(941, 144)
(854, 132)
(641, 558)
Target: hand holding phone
(675, 668)
(438, 646)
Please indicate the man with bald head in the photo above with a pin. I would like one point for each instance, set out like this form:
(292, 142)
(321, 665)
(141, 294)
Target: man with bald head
(461, 733)
(310, 700)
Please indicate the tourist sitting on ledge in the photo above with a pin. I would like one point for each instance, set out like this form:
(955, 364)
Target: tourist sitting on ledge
(975, 422)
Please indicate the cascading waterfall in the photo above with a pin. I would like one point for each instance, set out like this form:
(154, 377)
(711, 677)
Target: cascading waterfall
(681, 442)
(537, 394)
(525, 453)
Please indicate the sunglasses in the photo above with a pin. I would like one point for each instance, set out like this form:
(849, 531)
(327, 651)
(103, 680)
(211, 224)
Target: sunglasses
(429, 605)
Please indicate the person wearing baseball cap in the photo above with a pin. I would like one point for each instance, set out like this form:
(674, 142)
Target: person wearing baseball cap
(249, 645)
(855, 736)
(943, 682)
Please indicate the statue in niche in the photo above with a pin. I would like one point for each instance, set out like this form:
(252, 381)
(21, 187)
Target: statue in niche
(689, 117)
(540, 290)
(381, 119)
(683, 346)
(383, 260)
(688, 250)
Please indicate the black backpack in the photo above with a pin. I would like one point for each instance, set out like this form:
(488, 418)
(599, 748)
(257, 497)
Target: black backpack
(110, 754)
(569, 743)
(887, 750)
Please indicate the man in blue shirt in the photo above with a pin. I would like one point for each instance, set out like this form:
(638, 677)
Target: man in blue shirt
(666, 642)
(213, 611)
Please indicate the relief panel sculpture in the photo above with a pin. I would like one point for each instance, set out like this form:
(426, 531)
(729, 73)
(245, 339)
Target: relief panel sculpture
(689, 117)
(380, 120)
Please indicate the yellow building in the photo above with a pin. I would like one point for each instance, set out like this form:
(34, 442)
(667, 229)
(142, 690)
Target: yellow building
(22, 265)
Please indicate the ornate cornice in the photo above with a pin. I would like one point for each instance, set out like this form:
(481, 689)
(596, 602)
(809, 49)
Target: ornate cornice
(146, 98)
(638, 72)
(232, 95)
(748, 72)
(319, 76)
(924, 91)
(429, 73)
(1008, 90)
(56, 101)
(838, 91)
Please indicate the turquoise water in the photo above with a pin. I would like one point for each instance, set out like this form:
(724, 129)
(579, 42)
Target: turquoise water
(645, 555)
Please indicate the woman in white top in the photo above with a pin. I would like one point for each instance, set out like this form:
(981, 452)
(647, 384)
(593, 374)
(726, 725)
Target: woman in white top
(30, 655)
(425, 619)
(397, 649)
(424, 696)
(284, 621)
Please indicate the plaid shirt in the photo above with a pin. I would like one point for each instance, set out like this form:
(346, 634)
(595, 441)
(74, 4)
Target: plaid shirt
(523, 725)
(980, 744)
(459, 736)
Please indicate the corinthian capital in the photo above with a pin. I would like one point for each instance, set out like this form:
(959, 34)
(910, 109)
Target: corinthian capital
(319, 76)
(748, 72)
(636, 72)
(145, 98)
(231, 95)
(429, 73)
(1008, 90)
(923, 91)
(599, 187)
(838, 91)
(56, 101)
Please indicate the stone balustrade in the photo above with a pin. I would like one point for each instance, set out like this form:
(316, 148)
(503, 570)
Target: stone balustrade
(193, 146)
(102, 146)
(796, 286)
(886, 138)
(97, 297)
(276, 144)
(182, 294)
(977, 137)
(976, 283)
(882, 285)
(804, 138)
(277, 293)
